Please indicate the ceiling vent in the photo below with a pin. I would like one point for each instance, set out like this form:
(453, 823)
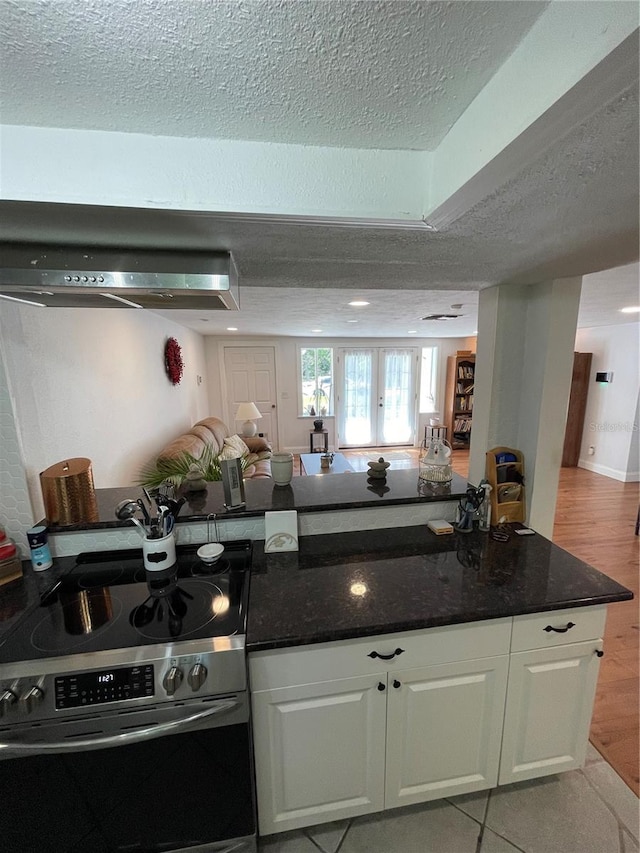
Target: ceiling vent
(442, 316)
(72, 277)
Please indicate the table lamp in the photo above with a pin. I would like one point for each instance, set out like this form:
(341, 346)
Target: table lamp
(248, 412)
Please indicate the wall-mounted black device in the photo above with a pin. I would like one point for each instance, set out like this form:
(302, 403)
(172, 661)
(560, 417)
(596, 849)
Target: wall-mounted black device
(604, 377)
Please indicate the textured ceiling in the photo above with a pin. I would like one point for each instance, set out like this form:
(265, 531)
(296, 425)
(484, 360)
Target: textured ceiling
(365, 74)
(368, 74)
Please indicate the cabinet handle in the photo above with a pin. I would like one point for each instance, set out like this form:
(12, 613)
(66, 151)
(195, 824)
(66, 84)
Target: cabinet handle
(560, 630)
(381, 686)
(396, 683)
(600, 653)
(385, 657)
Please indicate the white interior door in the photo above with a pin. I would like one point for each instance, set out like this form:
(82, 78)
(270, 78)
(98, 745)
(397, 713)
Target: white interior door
(250, 375)
(376, 401)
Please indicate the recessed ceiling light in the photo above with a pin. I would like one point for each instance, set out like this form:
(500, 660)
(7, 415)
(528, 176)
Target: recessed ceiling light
(316, 330)
(232, 328)
(358, 303)
(632, 309)
(412, 332)
(352, 321)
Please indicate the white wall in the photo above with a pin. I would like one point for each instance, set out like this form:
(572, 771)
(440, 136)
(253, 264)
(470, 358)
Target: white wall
(611, 417)
(140, 170)
(91, 382)
(293, 430)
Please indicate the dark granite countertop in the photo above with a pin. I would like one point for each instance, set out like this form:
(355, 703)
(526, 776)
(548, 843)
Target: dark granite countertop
(370, 582)
(304, 494)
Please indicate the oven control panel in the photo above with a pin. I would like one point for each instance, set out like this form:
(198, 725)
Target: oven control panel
(39, 690)
(107, 685)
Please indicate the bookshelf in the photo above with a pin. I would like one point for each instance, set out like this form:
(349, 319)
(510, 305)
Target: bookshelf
(507, 488)
(459, 388)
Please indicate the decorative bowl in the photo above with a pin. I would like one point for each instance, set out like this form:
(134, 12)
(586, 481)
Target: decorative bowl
(210, 553)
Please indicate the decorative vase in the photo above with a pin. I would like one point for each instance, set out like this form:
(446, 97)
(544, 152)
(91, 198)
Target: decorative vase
(317, 425)
(282, 468)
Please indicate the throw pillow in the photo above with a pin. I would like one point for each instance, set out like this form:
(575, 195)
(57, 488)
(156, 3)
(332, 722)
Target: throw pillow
(234, 448)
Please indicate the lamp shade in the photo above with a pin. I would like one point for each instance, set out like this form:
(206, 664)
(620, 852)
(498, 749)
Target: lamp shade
(247, 412)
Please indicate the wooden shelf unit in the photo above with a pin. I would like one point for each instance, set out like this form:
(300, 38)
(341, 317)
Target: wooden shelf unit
(495, 472)
(458, 407)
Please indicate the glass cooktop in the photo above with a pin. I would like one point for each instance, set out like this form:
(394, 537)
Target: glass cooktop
(108, 601)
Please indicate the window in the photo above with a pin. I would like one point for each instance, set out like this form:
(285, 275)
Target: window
(316, 371)
(428, 379)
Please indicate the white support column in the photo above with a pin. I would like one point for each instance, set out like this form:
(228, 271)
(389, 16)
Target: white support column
(524, 361)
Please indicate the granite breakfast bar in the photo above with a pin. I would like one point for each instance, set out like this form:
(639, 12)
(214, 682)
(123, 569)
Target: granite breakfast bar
(387, 665)
(393, 666)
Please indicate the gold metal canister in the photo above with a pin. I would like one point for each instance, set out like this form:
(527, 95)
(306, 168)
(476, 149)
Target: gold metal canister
(68, 492)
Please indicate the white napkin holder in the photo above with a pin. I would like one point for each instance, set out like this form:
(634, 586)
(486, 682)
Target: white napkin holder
(280, 531)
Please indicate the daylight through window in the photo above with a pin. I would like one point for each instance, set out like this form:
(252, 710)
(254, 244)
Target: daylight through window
(428, 379)
(317, 380)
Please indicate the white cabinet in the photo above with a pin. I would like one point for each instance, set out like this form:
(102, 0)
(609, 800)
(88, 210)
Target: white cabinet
(555, 658)
(444, 726)
(319, 752)
(326, 750)
(351, 727)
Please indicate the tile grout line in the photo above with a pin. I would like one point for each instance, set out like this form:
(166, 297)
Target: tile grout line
(608, 805)
(346, 832)
(484, 826)
(317, 843)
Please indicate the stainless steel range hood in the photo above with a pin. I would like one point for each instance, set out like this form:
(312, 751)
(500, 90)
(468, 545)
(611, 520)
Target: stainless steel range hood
(71, 277)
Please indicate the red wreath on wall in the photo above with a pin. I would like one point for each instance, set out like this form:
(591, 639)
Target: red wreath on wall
(173, 360)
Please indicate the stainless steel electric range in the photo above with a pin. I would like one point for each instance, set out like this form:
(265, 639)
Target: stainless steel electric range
(124, 714)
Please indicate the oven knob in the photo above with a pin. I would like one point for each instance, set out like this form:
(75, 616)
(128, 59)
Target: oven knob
(31, 699)
(172, 680)
(197, 676)
(7, 699)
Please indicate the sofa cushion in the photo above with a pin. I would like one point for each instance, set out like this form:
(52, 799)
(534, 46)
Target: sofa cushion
(257, 444)
(218, 428)
(214, 433)
(188, 443)
(234, 448)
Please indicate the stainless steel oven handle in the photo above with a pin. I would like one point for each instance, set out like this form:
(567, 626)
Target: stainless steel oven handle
(84, 744)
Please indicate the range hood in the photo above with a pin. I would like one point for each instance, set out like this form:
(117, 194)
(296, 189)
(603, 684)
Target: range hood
(73, 277)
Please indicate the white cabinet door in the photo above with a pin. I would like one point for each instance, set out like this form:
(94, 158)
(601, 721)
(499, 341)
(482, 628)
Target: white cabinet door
(319, 752)
(548, 712)
(444, 728)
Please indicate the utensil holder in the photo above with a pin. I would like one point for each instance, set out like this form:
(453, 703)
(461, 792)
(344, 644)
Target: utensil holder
(159, 554)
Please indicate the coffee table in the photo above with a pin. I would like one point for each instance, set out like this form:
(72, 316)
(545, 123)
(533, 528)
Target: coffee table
(310, 464)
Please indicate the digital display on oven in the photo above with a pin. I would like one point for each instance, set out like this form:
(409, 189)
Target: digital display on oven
(101, 686)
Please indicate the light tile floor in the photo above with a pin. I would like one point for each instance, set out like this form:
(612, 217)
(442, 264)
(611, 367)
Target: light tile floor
(583, 811)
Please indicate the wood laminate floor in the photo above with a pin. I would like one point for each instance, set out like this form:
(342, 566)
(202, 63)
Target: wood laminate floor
(595, 521)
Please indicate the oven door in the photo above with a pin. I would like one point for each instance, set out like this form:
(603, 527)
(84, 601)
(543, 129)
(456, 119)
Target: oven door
(164, 779)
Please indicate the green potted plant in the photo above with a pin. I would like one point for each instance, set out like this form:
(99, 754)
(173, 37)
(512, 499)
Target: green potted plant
(175, 470)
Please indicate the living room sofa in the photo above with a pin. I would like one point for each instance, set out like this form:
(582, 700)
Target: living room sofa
(214, 433)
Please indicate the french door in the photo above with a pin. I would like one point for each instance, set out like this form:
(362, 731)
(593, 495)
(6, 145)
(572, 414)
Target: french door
(377, 396)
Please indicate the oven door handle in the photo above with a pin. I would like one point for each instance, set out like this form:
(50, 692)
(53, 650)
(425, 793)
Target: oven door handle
(15, 748)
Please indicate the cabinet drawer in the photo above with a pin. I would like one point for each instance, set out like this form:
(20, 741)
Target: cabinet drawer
(347, 658)
(543, 630)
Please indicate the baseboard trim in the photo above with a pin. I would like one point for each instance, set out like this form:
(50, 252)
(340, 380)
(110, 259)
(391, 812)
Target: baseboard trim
(612, 473)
